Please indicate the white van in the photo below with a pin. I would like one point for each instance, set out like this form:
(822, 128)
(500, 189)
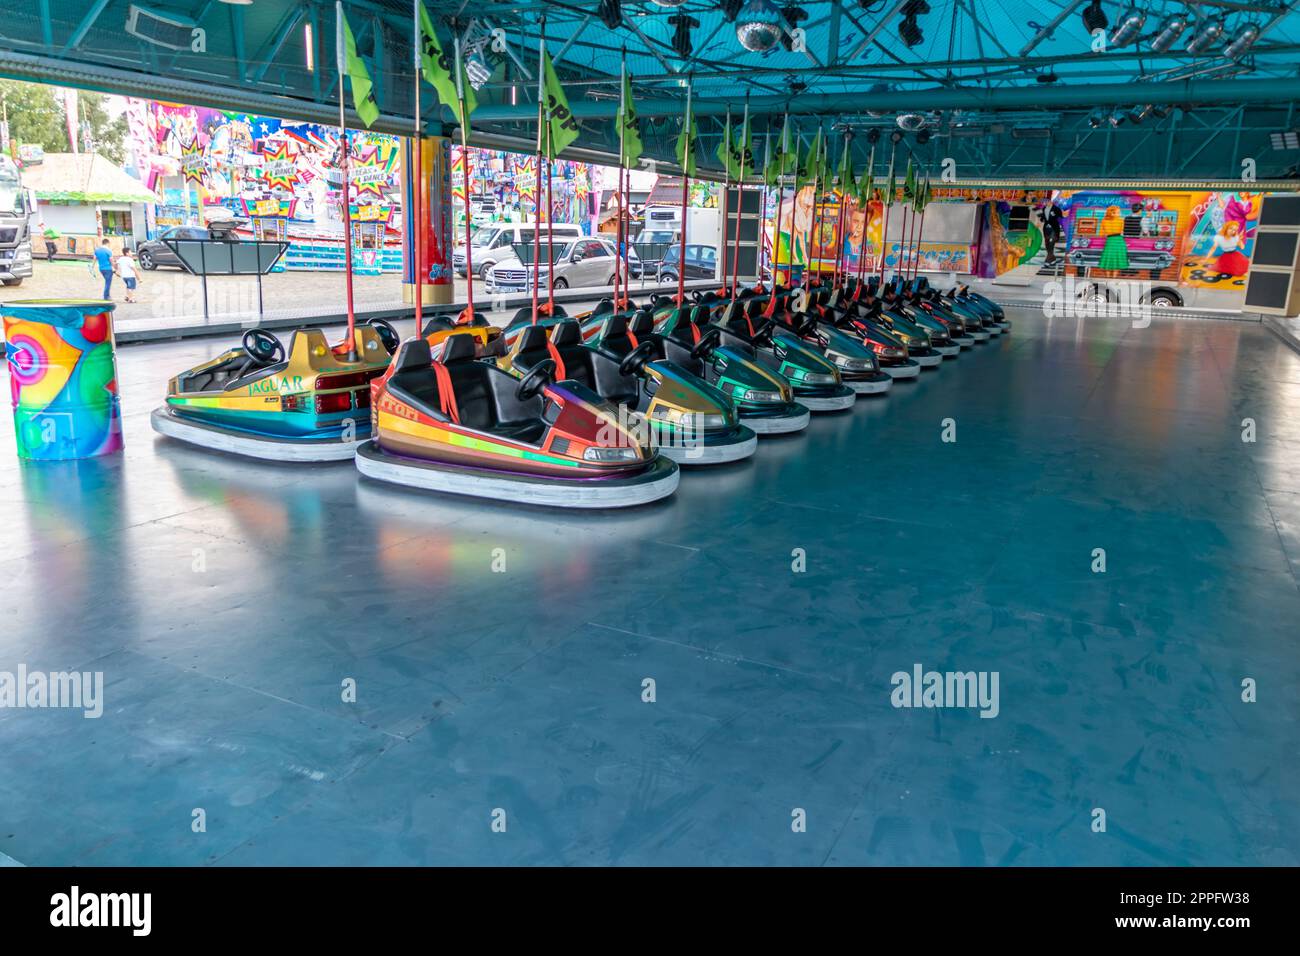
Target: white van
(495, 242)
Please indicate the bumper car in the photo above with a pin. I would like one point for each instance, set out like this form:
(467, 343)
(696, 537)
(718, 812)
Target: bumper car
(311, 403)
(764, 400)
(816, 380)
(465, 427)
(682, 416)
(489, 341)
(987, 307)
(896, 302)
(891, 351)
(857, 363)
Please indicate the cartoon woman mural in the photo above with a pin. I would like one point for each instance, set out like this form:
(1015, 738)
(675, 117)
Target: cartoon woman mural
(1114, 254)
(1229, 242)
(803, 221)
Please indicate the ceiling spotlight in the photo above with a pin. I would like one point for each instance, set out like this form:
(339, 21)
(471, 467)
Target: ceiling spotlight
(1116, 119)
(610, 13)
(909, 30)
(758, 26)
(873, 135)
(1128, 28)
(1094, 17)
(1048, 77)
(792, 16)
(1095, 120)
(1168, 33)
(797, 86)
(1139, 113)
(1242, 42)
(923, 137)
(1205, 36)
(896, 136)
(682, 35)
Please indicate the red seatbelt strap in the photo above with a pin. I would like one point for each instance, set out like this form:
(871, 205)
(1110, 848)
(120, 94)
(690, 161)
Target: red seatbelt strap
(631, 337)
(559, 362)
(446, 395)
(695, 332)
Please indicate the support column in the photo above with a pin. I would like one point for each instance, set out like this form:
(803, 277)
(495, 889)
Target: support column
(437, 225)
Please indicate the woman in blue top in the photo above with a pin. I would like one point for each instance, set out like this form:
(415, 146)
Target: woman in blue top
(104, 259)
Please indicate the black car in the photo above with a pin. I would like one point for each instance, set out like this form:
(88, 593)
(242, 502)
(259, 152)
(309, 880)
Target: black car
(701, 263)
(153, 253)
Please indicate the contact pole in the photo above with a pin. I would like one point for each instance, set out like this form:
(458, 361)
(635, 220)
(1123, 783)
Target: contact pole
(465, 162)
(339, 48)
(686, 186)
(417, 175)
(537, 193)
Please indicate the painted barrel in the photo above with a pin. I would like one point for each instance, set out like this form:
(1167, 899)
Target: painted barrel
(63, 377)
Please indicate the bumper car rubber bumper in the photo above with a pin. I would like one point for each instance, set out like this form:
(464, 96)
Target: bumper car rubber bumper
(269, 448)
(948, 349)
(907, 369)
(926, 358)
(782, 420)
(656, 481)
(872, 383)
(734, 445)
(833, 398)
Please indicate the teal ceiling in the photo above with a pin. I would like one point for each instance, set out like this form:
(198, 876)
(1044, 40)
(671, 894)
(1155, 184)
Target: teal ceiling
(1009, 89)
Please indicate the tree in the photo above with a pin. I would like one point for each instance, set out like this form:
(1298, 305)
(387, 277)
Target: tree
(36, 115)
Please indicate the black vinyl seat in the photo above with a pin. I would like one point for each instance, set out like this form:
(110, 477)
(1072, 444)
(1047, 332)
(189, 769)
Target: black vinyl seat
(596, 369)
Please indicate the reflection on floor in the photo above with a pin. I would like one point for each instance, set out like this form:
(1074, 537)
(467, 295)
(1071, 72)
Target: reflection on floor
(227, 603)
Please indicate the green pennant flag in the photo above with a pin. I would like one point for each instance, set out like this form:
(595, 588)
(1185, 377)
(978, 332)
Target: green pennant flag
(771, 163)
(724, 149)
(909, 183)
(437, 67)
(742, 150)
(561, 127)
(363, 91)
(923, 194)
(815, 159)
(867, 182)
(891, 190)
(628, 124)
(687, 139)
(848, 185)
(788, 150)
(802, 167)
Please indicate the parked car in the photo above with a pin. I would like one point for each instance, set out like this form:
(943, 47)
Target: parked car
(153, 253)
(588, 261)
(701, 263)
(494, 243)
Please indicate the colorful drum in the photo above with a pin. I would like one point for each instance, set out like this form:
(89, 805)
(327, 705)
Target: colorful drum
(63, 375)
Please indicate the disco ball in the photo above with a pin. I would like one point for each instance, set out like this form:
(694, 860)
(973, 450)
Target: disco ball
(670, 3)
(911, 122)
(758, 26)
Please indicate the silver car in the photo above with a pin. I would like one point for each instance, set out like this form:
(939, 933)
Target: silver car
(589, 261)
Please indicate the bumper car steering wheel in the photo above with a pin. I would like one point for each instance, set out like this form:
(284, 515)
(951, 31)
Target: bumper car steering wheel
(538, 377)
(262, 349)
(635, 360)
(387, 334)
(707, 343)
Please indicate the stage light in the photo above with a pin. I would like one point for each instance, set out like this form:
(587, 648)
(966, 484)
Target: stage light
(909, 31)
(1242, 42)
(1116, 119)
(1168, 33)
(1094, 17)
(1205, 36)
(896, 137)
(610, 13)
(682, 35)
(1128, 28)
(1140, 113)
(792, 16)
(923, 137)
(873, 135)
(1095, 120)
(758, 26)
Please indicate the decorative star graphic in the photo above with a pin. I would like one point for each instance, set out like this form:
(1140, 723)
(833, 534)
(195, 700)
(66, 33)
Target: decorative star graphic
(368, 172)
(278, 166)
(192, 161)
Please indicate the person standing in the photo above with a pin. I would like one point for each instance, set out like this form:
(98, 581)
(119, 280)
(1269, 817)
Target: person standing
(1051, 230)
(104, 261)
(126, 269)
(51, 236)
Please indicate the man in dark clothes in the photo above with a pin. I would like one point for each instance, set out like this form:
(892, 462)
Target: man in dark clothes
(1051, 230)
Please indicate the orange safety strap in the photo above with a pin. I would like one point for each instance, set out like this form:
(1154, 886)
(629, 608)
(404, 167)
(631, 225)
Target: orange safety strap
(631, 337)
(446, 396)
(559, 362)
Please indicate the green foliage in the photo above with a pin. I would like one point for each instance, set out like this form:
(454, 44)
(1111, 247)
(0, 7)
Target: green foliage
(36, 116)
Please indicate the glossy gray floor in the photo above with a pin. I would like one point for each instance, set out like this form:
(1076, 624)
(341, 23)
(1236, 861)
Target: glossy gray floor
(499, 654)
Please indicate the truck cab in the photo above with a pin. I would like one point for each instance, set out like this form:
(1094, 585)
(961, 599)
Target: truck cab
(15, 230)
